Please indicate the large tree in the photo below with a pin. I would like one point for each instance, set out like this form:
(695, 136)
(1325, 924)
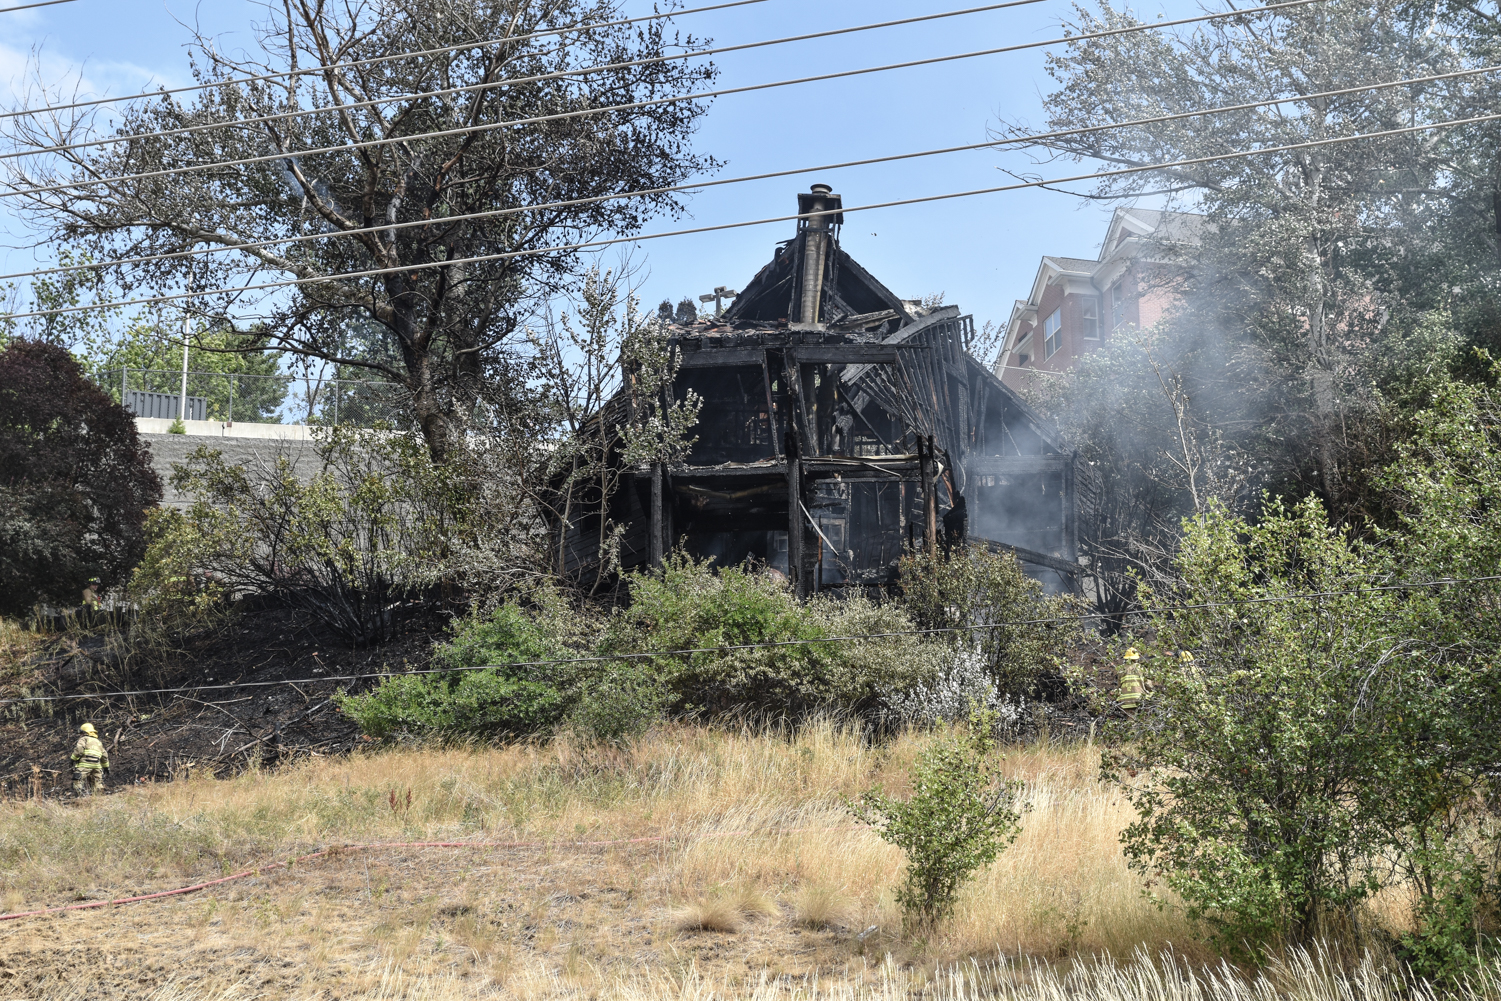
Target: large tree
(75, 481)
(397, 158)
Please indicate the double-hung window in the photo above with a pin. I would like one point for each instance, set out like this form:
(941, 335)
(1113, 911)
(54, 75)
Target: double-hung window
(1052, 339)
(1089, 319)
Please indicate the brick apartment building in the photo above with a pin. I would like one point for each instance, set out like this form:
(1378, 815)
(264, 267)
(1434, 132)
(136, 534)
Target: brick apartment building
(1078, 304)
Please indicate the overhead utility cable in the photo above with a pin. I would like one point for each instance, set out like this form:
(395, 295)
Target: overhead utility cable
(612, 241)
(28, 6)
(637, 105)
(386, 227)
(736, 647)
(509, 82)
(373, 61)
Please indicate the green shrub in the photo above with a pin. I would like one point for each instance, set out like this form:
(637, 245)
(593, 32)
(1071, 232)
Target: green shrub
(1444, 944)
(620, 704)
(866, 676)
(974, 587)
(1325, 740)
(689, 605)
(507, 700)
(961, 815)
(377, 524)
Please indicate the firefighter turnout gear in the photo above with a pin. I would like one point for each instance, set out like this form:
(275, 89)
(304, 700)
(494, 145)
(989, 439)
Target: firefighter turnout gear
(1133, 685)
(90, 762)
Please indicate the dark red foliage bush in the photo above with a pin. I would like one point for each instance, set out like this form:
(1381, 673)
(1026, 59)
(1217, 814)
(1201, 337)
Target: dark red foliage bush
(75, 481)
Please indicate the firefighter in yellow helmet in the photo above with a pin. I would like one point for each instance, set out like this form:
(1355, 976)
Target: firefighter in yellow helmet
(1133, 685)
(90, 762)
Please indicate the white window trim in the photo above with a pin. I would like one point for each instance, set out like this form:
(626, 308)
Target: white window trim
(1052, 342)
(1098, 320)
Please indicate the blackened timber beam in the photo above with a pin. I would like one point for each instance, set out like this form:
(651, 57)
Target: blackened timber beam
(843, 354)
(723, 358)
(1073, 570)
(904, 467)
(767, 470)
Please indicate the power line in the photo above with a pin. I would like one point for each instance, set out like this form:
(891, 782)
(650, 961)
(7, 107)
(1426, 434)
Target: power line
(28, 6)
(509, 82)
(737, 647)
(593, 244)
(548, 206)
(638, 105)
(373, 61)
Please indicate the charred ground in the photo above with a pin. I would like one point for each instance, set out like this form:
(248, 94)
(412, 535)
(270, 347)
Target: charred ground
(215, 730)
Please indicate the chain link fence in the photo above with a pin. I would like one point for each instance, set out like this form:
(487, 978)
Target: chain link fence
(257, 399)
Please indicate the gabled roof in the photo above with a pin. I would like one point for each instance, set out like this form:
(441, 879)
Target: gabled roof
(1154, 226)
(768, 297)
(1132, 233)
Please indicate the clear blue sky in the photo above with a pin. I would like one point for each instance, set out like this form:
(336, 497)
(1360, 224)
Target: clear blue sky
(982, 252)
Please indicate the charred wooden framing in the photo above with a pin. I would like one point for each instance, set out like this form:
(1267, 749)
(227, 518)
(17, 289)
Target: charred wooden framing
(841, 424)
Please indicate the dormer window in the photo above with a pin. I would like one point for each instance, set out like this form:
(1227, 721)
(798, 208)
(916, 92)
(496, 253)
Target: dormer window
(1052, 338)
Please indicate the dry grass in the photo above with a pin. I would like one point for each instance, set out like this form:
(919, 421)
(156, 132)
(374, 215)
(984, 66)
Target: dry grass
(819, 905)
(757, 883)
(716, 914)
(1301, 976)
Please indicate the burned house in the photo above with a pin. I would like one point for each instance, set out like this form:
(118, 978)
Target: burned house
(839, 425)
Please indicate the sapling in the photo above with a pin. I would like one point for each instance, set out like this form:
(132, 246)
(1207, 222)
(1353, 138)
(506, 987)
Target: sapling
(961, 815)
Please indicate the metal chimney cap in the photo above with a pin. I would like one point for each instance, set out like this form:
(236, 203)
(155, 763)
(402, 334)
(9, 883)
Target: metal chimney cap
(821, 199)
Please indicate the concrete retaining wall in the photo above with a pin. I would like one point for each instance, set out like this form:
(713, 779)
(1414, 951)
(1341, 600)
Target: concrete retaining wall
(252, 452)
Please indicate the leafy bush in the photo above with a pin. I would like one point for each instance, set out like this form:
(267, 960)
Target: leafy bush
(1319, 745)
(1257, 750)
(507, 700)
(961, 815)
(689, 605)
(611, 699)
(972, 590)
(75, 481)
(167, 583)
(618, 704)
(377, 523)
(1444, 945)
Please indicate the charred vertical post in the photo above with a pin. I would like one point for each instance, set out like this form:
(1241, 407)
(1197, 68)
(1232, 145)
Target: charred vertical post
(930, 495)
(774, 426)
(795, 531)
(658, 528)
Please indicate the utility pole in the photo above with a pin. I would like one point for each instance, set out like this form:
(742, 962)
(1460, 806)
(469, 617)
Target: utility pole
(717, 297)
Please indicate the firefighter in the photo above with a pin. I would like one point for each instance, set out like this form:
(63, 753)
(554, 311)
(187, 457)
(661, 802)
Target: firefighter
(91, 602)
(90, 762)
(1133, 685)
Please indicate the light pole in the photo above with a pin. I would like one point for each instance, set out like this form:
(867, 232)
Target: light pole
(719, 294)
(182, 403)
